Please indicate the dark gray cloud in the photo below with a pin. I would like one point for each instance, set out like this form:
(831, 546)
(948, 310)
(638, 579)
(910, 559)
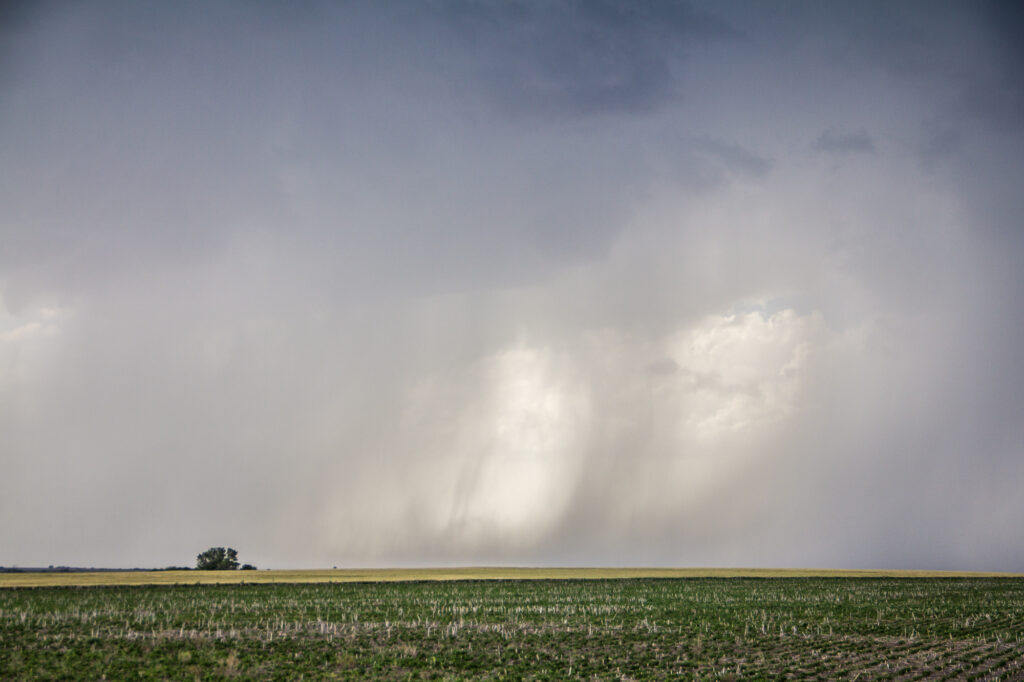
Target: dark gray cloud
(998, 93)
(835, 142)
(583, 58)
(526, 283)
(207, 122)
(733, 157)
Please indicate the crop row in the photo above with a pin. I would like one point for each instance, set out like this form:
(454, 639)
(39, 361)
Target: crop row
(645, 629)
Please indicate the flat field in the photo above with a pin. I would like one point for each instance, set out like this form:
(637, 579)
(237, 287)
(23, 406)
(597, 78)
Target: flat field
(87, 578)
(625, 628)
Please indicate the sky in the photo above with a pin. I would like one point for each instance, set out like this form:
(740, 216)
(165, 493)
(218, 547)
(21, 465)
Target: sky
(475, 282)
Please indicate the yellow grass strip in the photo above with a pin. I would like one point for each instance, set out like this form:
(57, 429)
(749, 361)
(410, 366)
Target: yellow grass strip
(85, 579)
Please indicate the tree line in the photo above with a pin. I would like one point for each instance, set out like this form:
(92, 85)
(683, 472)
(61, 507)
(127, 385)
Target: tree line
(213, 559)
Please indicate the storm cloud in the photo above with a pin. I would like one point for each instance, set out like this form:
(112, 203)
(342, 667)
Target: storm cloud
(844, 143)
(575, 283)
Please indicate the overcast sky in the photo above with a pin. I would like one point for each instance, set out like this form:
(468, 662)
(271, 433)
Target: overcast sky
(580, 282)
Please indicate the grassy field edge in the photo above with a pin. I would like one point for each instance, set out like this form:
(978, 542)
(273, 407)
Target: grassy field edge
(101, 578)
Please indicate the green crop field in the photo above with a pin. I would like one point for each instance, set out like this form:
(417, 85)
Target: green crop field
(626, 628)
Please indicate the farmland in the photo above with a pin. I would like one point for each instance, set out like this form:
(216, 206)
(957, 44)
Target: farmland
(642, 628)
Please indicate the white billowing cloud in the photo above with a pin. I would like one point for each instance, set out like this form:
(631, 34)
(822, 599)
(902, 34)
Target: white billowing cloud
(741, 371)
(502, 445)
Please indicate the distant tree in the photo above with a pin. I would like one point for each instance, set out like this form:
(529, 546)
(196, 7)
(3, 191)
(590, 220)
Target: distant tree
(248, 567)
(217, 559)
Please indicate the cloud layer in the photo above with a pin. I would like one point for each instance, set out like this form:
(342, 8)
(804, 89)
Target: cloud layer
(520, 283)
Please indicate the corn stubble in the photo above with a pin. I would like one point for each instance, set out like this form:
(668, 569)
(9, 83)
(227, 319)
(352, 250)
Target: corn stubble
(824, 628)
